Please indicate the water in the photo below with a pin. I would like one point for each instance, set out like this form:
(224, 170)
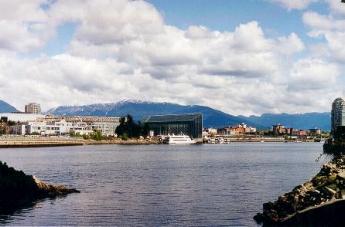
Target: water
(162, 185)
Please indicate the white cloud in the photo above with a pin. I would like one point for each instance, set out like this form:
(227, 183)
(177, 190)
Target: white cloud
(290, 45)
(294, 4)
(337, 7)
(124, 49)
(331, 29)
(313, 74)
(25, 26)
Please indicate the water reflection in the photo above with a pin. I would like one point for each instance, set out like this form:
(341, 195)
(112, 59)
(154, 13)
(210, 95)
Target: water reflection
(19, 208)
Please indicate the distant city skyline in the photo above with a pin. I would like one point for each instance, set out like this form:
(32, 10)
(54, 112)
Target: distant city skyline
(241, 57)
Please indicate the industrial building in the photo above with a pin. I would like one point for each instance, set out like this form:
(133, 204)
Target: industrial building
(188, 124)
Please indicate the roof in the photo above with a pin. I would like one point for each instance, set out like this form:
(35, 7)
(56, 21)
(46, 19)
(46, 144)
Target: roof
(172, 117)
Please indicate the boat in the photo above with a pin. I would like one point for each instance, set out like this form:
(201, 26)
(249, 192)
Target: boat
(178, 139)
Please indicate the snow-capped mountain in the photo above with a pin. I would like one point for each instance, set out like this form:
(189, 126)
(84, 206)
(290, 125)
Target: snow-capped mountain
(140, 109)
(212, 118)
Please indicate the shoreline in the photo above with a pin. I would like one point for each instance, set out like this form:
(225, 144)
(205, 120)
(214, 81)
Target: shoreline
(27, 142)
(319, 201)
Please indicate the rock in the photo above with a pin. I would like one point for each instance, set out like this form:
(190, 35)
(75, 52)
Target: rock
(17, 188)
(326, 188)
(51, 190)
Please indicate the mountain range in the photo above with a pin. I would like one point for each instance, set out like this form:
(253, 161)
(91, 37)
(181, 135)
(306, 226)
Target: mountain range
(299, 121)
(140, 110)
(6, 108)
(212, 117)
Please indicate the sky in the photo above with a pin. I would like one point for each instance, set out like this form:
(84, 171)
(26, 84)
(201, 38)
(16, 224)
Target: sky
(243, 57)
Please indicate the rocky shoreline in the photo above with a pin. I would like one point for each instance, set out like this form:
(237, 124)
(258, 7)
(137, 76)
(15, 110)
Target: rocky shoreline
(18, 189)
(308, 203)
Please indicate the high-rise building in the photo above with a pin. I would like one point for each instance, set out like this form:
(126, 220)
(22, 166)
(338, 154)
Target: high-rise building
(33, 108)
(338, 114)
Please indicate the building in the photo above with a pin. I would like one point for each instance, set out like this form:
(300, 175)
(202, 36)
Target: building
(18, 129)
(188, 124)
(20, 117)
(315, 132)
(337, 114)
(33, 108)
(278, 129)
(106, 128)
(239, 129)
(82, 125)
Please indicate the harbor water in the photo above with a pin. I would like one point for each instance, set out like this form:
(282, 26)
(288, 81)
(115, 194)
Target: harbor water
(162, 185)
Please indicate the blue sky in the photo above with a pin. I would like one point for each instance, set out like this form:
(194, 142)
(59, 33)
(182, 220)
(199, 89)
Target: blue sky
(226, 15)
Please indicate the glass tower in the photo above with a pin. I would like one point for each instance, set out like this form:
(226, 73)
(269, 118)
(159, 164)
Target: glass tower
(338, 114)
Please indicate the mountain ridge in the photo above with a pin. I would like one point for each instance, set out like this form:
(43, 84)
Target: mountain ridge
(139, 110)
(212, 117)
(6, 107)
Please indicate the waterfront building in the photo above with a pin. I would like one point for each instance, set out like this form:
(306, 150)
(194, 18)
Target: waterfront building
(20, 117)
(82, 125)
(239, 129)
(337, 114)
(278, 129)
(33, 108)
(315, 132)
(61, 127)
(106, 128)
(188, 124)
(18, 129)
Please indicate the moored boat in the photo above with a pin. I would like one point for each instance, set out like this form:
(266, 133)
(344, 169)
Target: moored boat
(178, 139)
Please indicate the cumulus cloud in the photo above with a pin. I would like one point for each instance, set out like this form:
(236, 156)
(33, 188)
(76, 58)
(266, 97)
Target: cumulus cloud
(336, 7)
(313, 74)
(25, 26)
(128, 51)
(332, 29)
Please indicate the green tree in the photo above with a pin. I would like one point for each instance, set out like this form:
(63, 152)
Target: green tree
(128, 128)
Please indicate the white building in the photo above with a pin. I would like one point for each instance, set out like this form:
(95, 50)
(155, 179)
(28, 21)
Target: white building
(51, 125)
(106, 128)
(20, 117)
(61, 127)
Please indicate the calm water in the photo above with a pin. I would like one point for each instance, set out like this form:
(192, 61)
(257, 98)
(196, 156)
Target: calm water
(161, 185)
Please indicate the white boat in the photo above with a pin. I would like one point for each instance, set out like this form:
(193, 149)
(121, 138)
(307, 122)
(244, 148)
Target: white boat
(178, 139)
